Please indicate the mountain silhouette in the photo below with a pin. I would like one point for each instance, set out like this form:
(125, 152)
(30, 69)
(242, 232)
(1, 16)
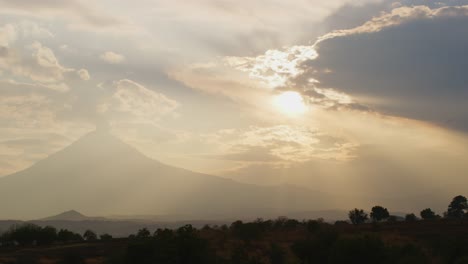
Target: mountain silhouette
(71, 215)
(101, 175)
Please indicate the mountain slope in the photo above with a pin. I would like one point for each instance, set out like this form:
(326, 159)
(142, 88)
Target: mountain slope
(72, 215)
(101, 175)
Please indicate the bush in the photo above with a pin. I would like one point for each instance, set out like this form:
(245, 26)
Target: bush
(105, 237)
(276, 254)
(182, 246)
(362, 249)
(65, 235)
(25, 234)
(411, 217)
(315, 249)
(406, 254)
(89, 235)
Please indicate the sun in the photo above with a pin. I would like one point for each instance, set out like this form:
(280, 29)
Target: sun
(290, 103)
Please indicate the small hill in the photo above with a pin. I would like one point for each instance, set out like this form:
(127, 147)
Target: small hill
(71, 215)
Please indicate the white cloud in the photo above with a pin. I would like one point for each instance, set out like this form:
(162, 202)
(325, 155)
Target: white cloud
(280, 143)
(275, 67)
(112, 57)
(133, 102)
(84, 74)
(35, 61)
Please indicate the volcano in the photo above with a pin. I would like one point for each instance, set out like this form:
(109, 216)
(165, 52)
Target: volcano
(101, 175)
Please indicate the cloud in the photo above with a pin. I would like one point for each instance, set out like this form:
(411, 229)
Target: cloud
(282, 143)
(396, 64)
(112, 57)
(80, 15)
(265, 24)
(132, 102)
(275, 67)
(84, 74)
(397, 17)
(393, 63)
(34, 61)
(220, 78)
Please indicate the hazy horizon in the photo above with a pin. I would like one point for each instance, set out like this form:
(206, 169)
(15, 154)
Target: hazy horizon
(206, 106)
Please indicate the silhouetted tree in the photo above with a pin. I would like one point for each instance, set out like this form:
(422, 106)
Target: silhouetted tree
(105, 237)
(143, 233)
(280, 222)
(47, 235)
(411, 217)
(236, 224)
(89, 235)
(357, 216)
(457, 207)
(25, 234)
(291, 224)
(163, 233)
(65, 235)
(191, 249)
(392, 219)
(428, 214)
(379, 213)
(206, 227)
(341, 223)
(312, 226)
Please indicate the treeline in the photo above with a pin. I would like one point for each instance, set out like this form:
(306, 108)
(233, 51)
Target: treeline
(31, 235)
(284, 240)
(288, 241)
(457, 209)
(435, 239)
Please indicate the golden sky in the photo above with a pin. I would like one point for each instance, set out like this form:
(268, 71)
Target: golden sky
(329, 95)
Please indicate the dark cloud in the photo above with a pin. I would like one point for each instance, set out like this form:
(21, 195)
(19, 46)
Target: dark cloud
(416, 69)
(349, 16)
(352, 15)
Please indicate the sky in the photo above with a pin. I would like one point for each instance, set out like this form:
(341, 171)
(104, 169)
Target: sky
(335, 95)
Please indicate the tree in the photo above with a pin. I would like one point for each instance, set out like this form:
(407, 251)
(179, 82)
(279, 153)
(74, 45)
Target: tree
(143, 233)
(428, 214)
(357, 216)
(89, 235)
(65, 235)
(411, 217)
(47, 235)
(25, 234)
(457, 207)
(392, 219)
(105, 237)
(379, 213)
